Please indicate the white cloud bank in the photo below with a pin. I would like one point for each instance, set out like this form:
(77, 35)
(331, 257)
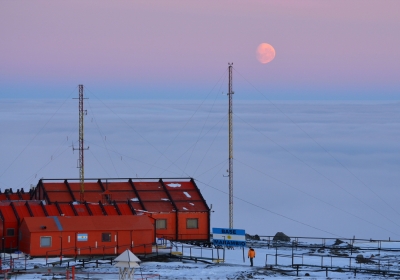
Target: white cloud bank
(322, 164)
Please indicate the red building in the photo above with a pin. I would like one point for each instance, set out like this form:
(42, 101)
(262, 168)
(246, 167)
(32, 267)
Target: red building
(73, 236)
(175, 207)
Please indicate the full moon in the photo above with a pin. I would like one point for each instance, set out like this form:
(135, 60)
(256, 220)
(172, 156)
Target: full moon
(265, 53)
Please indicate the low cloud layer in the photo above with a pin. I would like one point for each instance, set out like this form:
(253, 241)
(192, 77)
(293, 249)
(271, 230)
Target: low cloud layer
(314, 169)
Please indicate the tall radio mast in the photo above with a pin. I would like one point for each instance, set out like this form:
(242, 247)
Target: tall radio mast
(230, 171)
(81, 164)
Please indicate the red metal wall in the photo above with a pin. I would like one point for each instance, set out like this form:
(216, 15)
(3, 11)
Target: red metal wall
(201, 233)
(120, 241)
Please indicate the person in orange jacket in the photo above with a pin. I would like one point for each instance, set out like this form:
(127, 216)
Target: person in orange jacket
(251, 255)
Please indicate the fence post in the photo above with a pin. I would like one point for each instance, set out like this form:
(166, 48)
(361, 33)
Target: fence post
(292, 253)
(276, 255)
(351, 249)
(350, 262)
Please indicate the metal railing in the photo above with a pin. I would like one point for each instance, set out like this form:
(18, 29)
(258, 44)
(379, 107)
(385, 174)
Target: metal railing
(313, 259)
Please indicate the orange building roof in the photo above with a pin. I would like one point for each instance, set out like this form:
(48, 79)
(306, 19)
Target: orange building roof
(152, 195)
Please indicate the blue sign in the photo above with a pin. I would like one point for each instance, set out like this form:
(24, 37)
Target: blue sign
(229, 237)
(82, 237)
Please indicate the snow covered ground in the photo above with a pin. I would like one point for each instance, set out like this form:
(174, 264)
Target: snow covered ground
(339, 259)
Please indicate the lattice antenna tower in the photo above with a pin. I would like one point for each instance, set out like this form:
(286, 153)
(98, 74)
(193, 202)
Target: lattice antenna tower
(81, 162)
(230, 170)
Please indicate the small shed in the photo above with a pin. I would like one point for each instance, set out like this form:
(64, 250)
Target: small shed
(86, 235)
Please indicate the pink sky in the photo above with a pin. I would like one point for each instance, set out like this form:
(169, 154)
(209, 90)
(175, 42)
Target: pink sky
(324, 49)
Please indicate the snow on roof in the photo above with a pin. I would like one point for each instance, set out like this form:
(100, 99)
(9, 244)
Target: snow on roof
(187, 194)
(174, 185)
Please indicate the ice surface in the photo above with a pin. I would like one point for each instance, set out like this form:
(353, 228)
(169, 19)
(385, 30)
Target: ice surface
(235, 266)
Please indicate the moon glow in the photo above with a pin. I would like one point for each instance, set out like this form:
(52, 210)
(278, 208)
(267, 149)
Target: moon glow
(265, 53)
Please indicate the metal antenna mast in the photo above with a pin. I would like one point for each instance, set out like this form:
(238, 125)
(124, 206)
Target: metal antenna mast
(230, 93)
(81, 164)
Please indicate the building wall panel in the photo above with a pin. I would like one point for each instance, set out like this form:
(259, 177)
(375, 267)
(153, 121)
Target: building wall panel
(200, 233)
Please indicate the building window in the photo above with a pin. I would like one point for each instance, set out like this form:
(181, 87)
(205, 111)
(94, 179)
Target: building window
(106, 237)
(161, 224)
(45, 241)
(10, 232)
(192, 223)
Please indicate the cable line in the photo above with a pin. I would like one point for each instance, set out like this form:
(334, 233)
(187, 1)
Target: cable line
(309, 136)
(270, 211)
(315, 170)
(197, 109)
(34, 137)
(102, 138)
(194, 144)
(202, 128)
(141, 136)
(304, 192)
(130, 157)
